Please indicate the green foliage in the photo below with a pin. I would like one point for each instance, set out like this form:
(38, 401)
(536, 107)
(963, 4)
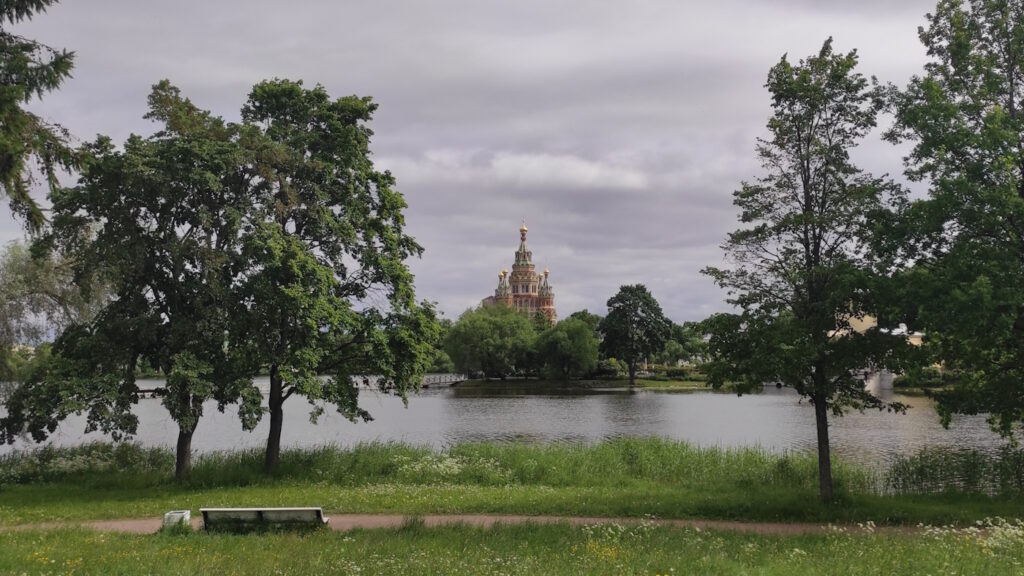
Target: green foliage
(635, 327)
(689, 346)
(324, 234)
(157, 223)
(37, 299)
(609, 547)
(802, 272)
(592, 320)
(671, 354)
(620, 462)
(440, 362)
(964, 119)
(38, 296)
(23, 362)
(49, 464)
(567, 350)
(937, 470)
(497, 341)
(233, 250)
(624, 477)
(29, 70)
(927, 377)
(607, 368)
(541, 322)
(683, 373)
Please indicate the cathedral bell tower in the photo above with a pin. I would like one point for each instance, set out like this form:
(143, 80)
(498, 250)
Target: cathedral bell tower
(524, 289)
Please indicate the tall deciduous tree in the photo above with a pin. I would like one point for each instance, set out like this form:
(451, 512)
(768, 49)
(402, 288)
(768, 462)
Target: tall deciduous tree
(28, 70)
(38, 297)
(37, 300)
(800, 272)
(160, 222)
(635, 327)
(965, 118)
(440, 361)
(567, 349)
(690, 338)
(592, 320)
(495, 340)
(324, 285)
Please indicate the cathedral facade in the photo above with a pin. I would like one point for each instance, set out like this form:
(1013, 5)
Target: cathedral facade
(524, 289)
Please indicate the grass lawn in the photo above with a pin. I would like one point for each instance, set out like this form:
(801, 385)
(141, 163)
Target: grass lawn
(508, 550)
(627, 477)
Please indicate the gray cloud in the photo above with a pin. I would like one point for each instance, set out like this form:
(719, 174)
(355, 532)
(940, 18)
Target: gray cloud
(619, 130)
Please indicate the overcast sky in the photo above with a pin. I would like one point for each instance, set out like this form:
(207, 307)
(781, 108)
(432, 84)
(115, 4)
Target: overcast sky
(618, 129)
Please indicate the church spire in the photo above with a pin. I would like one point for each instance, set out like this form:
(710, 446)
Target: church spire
(525, 289)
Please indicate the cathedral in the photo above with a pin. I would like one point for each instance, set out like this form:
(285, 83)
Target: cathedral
(524, 289)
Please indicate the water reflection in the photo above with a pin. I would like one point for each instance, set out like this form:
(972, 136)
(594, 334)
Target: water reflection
(775, 419)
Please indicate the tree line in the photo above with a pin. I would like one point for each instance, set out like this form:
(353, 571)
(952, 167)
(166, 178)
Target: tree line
(213, 252)
(500, 342)
(825, 244)
(219, 250)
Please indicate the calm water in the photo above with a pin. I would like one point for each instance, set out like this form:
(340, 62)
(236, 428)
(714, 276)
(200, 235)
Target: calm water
(775, 419)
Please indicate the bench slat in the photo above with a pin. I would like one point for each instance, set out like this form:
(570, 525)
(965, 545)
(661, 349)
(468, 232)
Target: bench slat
(300, 515)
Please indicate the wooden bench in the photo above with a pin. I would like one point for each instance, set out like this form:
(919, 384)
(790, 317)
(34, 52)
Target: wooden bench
(244, 518)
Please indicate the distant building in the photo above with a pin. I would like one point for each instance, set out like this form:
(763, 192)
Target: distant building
(524, 289)
(876, 380)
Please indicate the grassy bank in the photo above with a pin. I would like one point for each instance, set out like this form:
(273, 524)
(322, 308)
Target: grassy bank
(512, 550)
(627, 477)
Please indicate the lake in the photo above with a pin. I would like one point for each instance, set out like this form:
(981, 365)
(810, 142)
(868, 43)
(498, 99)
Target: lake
(775, 419)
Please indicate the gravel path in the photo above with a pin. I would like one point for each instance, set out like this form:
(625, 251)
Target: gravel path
(344, 522)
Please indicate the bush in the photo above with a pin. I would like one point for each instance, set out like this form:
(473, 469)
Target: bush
(680, 372)
(608, 368)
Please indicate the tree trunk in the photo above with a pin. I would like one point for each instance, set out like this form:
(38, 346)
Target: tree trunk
(632, 374)
(275, 404)
(183, 455)
(824, 454)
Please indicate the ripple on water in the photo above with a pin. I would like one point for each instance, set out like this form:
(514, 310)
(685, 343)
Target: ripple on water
(776, 420)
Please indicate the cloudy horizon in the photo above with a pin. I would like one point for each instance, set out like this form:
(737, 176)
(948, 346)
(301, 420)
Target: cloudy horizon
(618, 132)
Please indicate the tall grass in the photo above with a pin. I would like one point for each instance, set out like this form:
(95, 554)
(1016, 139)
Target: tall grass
(520, 550)
(619, 463)
(49, 464)
(614, 463)
(943, 470)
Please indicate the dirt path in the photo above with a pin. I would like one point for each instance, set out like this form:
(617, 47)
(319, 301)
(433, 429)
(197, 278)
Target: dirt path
(343, 522)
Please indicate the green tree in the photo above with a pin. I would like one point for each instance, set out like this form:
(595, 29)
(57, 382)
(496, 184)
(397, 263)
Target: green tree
(19, 364)
(38, 299)
(541, 322)
(801, 273)
(635, 327)
(29, 70)
(324, 285)
(158, 222)
(494, 340)
(672, 353)
(965, 120)
(440, 362)
(567, 349)
(690, 337)
(592, 320)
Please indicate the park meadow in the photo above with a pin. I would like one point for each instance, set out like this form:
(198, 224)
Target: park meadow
(247, 259)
